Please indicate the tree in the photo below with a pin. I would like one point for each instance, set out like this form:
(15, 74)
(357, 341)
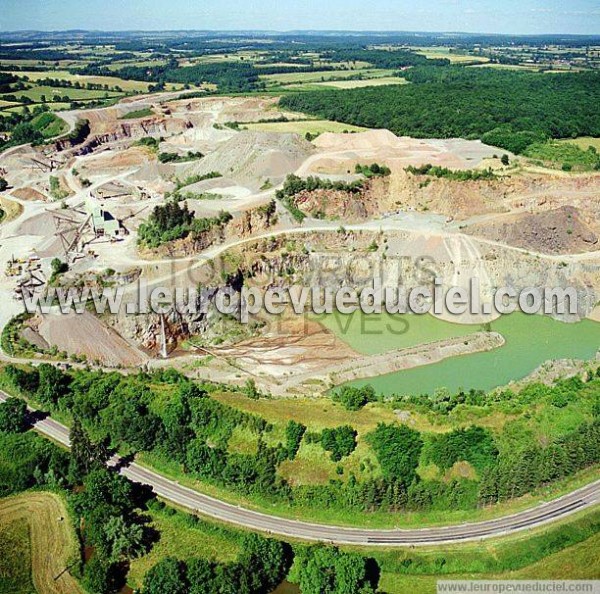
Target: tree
(13, 416)
(473, 444)
(353, 398)
(204, 460)
(123, 539)
(341, 441)
(264, 561)
(24, 381)
(53, 385)
(166, 577)
(58, 266)
(251, 390)
(3, 184)
(104, 488)
(99, 576)
(130, 422)
(294, 432)
(398, 449)
(327, 570)
(176, 419)
(80, 451)
(505, 160)
(201, 577)
(25, 133)
(85, 455)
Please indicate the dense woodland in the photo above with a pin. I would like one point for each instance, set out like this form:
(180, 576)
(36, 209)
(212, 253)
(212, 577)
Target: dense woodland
(507, 109)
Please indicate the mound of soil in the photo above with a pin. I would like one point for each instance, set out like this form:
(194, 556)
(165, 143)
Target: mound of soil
(251, 157)
(84, 334)
(558, 231)
(28, 194)
(370, 140)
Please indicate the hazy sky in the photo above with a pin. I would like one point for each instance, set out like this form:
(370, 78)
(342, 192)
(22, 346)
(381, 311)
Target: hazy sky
(486, 16)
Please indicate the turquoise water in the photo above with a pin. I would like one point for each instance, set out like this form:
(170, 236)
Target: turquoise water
(530, 340)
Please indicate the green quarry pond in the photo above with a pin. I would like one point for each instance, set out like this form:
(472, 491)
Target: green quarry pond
(530, 340)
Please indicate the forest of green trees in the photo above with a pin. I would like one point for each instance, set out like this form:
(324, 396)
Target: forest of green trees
(507, 109)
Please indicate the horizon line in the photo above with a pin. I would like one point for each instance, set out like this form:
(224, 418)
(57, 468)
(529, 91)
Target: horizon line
(303, 31)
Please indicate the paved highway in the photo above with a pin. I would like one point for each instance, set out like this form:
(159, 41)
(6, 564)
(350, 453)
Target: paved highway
(192, 500)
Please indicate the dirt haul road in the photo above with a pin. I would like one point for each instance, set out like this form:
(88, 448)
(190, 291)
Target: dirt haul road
(173, 492)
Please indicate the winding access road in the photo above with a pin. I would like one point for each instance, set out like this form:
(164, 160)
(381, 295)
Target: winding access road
(173, 492)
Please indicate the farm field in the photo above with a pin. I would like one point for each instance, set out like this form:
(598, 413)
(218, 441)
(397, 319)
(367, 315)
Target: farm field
(142, 63)
(15, 556)
(111, 81)
(323, 76)
(37, 92)
(516, 67)
(47, 551)
(356, 84)
(445, 52)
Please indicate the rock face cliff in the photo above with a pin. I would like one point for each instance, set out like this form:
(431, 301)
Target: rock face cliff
(353, 259)
(249, 222)
(112, 131)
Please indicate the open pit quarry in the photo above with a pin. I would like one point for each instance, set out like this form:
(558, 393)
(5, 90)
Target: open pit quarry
(83, 202)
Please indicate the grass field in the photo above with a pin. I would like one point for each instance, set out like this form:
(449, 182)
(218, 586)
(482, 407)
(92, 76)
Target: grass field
(11, 209)
(507, 67)
(183, 536)
(568, 155)
(322, 76)
(111, 81)
(583, 142)
(433, 53)
(140, 113)
(567, 550)
(302, 127)
(15, 556)
(140, 63)
(49, 125)
(36, 92)
(47, 544)
(357, 84)
(241, 56)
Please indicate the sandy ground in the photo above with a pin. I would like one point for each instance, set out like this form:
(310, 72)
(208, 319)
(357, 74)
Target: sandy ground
(298, 346)
(384, 147)
(84, 334)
